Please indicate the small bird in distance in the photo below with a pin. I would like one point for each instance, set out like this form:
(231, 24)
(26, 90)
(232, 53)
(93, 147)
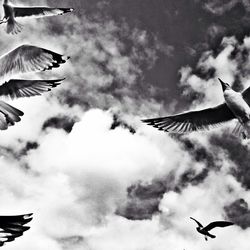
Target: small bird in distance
(235, 106)
(205, 230)
(11, 12)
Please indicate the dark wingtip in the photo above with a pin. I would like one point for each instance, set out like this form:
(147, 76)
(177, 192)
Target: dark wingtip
(220, 80)
(146, 120)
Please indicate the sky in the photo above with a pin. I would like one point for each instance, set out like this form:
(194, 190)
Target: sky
(95, 176)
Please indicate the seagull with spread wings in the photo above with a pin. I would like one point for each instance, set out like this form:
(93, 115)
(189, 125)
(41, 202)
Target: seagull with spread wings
(24, 59)
(12, 227)
(236, 106)
(205, 230)
(12, 12)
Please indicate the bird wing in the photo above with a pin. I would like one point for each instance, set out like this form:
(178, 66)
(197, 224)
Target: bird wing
(13, 227)
(8, 115)
(246, 95)
(28, 58)
(199, 224)
(16, 88)
(38, 12)
(217, 224)
(192, 121)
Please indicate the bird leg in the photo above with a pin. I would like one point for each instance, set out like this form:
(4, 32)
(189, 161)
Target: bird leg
(206, 238)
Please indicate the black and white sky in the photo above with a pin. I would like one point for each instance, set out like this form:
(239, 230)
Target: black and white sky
(95, 177)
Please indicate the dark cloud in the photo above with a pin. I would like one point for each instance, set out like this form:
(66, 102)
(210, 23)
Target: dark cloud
(61, 122)
(239, 213)
(237, 152)
(187, 26)
(143, 199)
(71, 241)
(11, 153)
(28, 147)
(119, 123)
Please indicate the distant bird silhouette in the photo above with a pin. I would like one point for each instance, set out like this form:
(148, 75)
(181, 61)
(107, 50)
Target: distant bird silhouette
(13, 227)
(24, 59)
(12, 12)
(205, 230)
(236, 106)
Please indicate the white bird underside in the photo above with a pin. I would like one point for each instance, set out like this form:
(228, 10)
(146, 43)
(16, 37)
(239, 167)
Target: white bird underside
(236, 106)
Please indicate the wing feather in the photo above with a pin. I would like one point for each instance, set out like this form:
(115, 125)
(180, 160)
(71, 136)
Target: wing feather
(217, 224)
(28, 58)
(16, 88)
(193, 121)
(13, 227)
(8, 115)
(38, 12)
(199, 224)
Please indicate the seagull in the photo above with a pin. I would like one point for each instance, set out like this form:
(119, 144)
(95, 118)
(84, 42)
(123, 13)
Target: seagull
(11, 12)
(235, 106)
(205, 230)
(24, 59)
(12, 227)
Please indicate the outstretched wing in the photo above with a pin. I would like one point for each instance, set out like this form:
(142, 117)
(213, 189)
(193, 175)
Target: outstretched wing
(13, 227)
(16, 88)
(28, 58)
(38, 12)
(199, 224)
(193, 121)
(246, 95)
(217, 224)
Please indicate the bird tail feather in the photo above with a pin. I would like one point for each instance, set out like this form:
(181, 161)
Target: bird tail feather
(240, 131)
(13, 27)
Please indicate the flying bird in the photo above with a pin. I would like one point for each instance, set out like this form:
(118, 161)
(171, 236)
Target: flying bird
(12, 12)
(12, 227)
(205, 230)
(24, 59)
(235, 106)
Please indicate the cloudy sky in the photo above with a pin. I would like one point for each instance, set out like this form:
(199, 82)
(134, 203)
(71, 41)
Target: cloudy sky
(94, 176)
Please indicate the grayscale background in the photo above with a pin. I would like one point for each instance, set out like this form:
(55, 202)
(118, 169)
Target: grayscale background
(97, 178)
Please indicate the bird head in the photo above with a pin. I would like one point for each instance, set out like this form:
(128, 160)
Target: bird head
(224, 85)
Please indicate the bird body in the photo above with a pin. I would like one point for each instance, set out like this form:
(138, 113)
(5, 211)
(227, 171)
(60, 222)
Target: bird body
(205, 230)
(236, 106)
(12, 12)
(206, 233)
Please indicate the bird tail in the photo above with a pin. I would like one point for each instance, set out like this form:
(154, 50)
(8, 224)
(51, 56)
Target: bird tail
(240, 131)
(8, 115)
(13, 27)
(211, 235)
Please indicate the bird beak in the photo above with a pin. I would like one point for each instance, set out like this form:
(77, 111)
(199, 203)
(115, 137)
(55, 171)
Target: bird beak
(223, 84)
